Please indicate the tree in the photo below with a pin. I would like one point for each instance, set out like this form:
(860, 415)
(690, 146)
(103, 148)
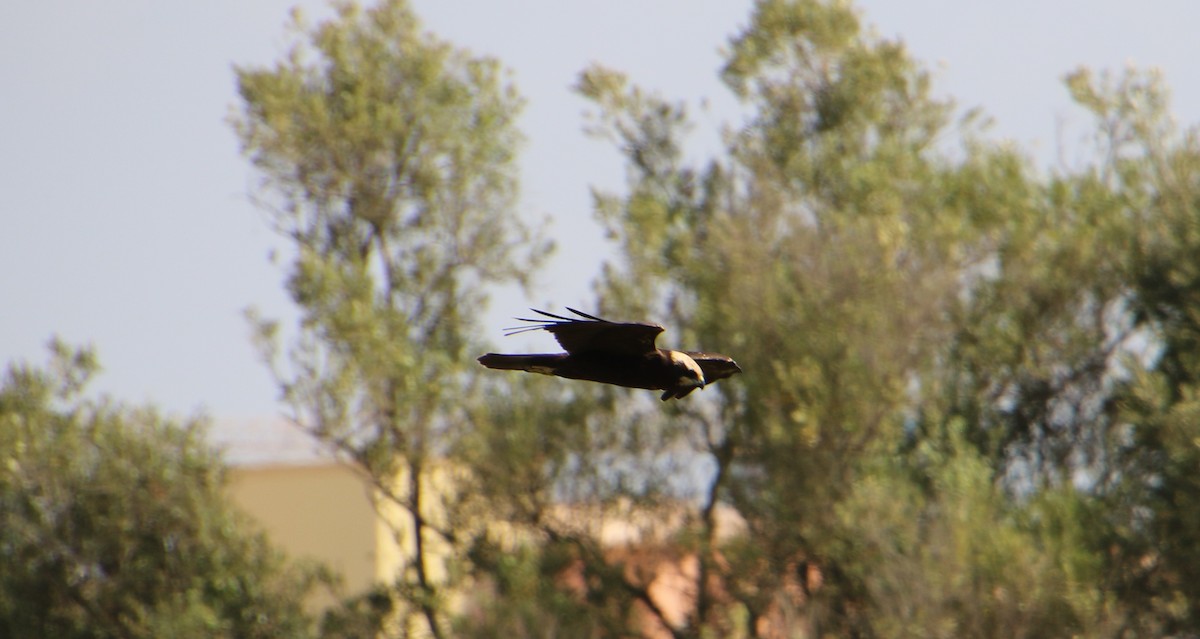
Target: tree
(116, 523)
(387, 158)
(816, 218)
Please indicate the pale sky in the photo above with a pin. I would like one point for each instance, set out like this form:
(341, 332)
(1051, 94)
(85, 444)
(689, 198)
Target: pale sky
(126, 222)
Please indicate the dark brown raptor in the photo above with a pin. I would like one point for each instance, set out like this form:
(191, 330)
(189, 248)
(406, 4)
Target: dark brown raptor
(620, 353)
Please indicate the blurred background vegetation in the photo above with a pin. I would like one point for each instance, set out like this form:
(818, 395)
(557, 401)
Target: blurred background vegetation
(969, 404)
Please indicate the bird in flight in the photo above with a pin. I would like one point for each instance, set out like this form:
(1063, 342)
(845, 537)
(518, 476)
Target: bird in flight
(619, 353)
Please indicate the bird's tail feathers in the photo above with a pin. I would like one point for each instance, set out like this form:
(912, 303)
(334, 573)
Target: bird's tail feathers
(545, 364)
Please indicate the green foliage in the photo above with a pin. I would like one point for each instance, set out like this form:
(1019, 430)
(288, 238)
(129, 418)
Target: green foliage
(941, 551)
(522, 594)
(116, 523)
(387, 158)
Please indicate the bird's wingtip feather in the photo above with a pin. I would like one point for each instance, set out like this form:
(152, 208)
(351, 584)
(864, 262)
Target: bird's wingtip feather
(585, 315)
(557, 317)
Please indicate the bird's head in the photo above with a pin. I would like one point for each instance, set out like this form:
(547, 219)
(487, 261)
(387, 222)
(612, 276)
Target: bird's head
(690, 373)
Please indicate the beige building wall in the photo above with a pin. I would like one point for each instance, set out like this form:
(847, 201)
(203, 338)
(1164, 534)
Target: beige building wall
(319, 511)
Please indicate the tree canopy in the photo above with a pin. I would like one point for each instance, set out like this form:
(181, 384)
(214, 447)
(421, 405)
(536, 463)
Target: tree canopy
(116, 523)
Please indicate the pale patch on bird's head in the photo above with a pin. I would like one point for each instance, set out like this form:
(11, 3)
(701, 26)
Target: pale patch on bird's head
(693, 375)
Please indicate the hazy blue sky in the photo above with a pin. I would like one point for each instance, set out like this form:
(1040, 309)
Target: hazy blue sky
(125, 218)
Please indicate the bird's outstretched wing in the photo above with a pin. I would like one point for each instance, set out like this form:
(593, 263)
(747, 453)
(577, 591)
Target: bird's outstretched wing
(592, 334)
(715, 366)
